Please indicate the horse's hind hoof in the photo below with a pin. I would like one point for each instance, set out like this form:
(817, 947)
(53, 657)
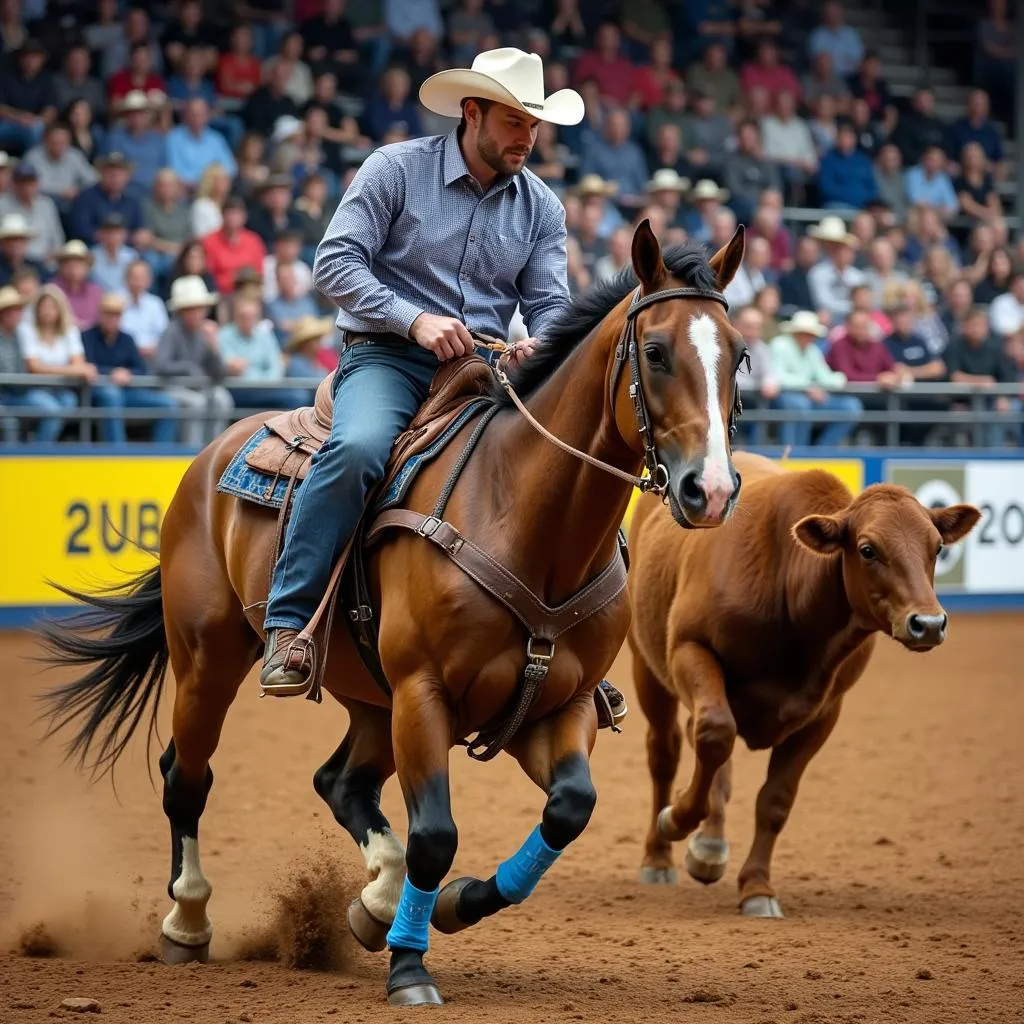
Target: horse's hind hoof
(445, 917)
(658, 876)
(416, 995)
(370, 933)
(174, 953)
(706, 858)
(667, 828)
(761, 906)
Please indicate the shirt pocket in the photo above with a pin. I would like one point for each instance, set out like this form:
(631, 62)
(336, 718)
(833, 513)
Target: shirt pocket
(503, 257)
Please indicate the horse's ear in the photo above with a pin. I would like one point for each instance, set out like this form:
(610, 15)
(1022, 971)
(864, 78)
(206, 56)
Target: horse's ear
(955, 521)
(650, 269)
(727, 260)
(821, 534)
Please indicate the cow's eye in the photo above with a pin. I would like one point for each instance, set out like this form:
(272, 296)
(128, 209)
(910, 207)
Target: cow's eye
(867, 552)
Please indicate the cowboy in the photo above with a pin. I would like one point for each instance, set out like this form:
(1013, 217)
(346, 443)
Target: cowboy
(435, 237)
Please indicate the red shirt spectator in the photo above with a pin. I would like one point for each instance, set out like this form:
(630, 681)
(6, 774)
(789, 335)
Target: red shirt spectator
(138, 75)
(616, 77)
(233, 247)
(653, 79)
(767, 73)
(861, 355)
(238, 71)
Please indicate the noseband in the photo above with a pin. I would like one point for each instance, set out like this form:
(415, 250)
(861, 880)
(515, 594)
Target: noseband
(627, 351)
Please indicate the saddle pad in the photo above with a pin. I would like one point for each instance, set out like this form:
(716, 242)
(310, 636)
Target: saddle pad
(242, 481)
(400, 485)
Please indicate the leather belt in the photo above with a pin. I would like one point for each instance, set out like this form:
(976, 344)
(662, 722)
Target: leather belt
(360, 337)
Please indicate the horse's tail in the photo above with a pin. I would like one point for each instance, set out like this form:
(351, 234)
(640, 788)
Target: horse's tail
(123, 640)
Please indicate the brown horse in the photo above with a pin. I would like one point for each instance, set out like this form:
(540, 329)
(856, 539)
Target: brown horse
(760, 628)
(453, 655)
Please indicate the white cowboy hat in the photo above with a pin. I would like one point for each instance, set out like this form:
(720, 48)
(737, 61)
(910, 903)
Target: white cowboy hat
(833, 229)
(594, 185)
(5, 160)
(10, 297)
(707, 189)
(506, 75)
(287, 126)
(76, 249)
(307, 328)
(134, 100)
(14, 225)
(804, 322)
(668, 179)
(188, 292)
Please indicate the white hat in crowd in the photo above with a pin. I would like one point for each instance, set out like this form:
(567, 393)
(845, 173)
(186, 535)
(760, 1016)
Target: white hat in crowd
(506, 75)
(833, 229)
(188, 292)
(707, 189)
(668, 179)
(14, 225)
(804, 322)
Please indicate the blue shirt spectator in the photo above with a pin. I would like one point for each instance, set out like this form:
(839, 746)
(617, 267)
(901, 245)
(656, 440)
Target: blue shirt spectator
(404, 17)
(615, 157)
(147, 152)
(107, 356)
(975, 127)
(391, 107)
(846, 177)
(93, 206)
(109, 268)
(928, 184)
(841, 42)
(193, 146)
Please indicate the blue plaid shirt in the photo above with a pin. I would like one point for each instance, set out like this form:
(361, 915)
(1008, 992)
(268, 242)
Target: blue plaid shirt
(415, 233)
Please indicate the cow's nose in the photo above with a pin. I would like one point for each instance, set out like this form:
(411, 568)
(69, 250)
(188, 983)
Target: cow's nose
(927, 628)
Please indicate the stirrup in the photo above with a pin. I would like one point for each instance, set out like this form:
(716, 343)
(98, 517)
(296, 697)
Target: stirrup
(297, 658)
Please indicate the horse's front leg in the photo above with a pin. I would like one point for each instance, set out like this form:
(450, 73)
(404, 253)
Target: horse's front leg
(555, 754)
(421, 732)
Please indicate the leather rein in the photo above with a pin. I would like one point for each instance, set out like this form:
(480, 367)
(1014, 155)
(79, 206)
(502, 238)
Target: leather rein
(627, 351)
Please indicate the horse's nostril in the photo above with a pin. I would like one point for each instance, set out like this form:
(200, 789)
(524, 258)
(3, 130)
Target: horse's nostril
(690, 492)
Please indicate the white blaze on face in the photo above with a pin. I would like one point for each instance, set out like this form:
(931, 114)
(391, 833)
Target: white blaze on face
(716, 480)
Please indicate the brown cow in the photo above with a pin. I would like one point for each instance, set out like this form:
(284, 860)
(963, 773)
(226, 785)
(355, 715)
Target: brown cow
(760, 627)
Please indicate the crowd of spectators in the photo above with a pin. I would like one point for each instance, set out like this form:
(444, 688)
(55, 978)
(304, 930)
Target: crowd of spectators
(167, 170)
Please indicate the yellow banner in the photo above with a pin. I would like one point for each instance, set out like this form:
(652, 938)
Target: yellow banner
(850, 471)
(77, 520)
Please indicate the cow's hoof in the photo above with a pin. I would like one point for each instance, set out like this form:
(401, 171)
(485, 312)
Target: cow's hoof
(658, 876)
(706, 858)
(761, 906)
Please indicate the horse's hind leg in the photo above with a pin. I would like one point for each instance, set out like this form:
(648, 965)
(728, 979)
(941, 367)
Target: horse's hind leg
(664, 741)
(208, 665)
(350, 784)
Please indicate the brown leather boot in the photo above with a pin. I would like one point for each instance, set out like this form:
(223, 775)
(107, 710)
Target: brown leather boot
(611, 706)
(287, 666)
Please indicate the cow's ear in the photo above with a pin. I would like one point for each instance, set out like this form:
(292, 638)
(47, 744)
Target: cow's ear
(955, 521)
(824, 535)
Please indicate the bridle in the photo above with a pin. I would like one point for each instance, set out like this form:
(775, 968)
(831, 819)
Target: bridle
(627, 352)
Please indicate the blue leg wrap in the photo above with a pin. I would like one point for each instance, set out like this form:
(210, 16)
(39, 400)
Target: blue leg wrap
(411, 927)
(518, 876)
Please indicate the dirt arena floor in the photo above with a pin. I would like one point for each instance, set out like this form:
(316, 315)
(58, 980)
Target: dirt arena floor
(901, 873)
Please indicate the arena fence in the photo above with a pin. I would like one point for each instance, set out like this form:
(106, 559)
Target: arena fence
(85, 516)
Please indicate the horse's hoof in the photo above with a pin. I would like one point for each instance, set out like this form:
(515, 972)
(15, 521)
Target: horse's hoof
(706, 858)
(370, 933)
(658, 876)
(761, 906)
(445, 917)
(416, 995)
(174, 953)
(667, 828)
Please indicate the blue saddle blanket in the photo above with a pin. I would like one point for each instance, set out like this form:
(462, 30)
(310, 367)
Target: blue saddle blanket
(242, 481)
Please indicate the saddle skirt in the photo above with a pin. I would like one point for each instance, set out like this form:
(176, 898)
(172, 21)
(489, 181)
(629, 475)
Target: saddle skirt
(283, 449)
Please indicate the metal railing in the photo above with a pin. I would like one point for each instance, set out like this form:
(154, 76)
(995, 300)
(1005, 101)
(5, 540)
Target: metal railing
(895, 414)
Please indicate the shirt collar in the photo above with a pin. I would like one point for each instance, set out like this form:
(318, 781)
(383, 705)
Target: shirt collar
(455, 166)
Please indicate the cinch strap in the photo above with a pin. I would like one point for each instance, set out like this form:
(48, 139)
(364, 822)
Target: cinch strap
(411, 926)
(518, 876)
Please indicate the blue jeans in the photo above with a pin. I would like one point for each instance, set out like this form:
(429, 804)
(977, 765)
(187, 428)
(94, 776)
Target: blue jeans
(378, 388)
(797, 433)
(21, 135)
(111, 396)
(48, 400)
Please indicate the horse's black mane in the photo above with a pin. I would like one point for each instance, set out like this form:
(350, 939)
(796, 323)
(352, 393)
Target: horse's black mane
(689, 263)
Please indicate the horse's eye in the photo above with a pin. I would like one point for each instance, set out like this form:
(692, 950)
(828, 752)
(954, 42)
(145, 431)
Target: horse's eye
(867, 552)
(656, 357)
(942, 547)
